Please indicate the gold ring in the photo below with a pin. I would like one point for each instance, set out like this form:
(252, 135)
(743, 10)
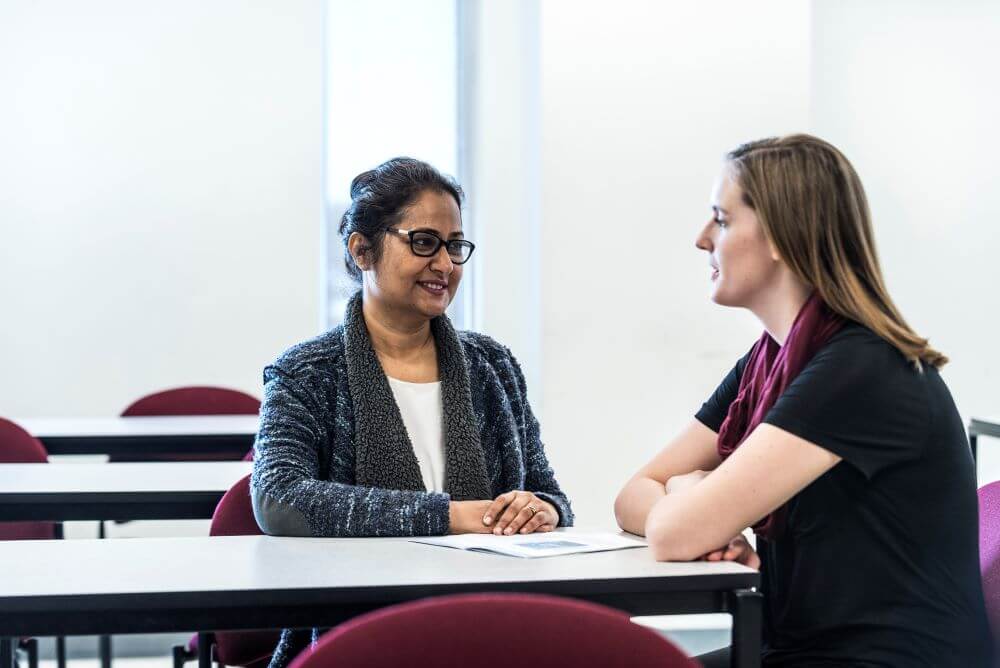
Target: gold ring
(532, 509)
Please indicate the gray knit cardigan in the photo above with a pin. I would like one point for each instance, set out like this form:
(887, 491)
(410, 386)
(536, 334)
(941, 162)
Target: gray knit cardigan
(332, 457)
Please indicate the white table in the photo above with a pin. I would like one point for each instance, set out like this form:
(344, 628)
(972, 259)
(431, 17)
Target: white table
(226, 435)
(153, 585)
(61, 492)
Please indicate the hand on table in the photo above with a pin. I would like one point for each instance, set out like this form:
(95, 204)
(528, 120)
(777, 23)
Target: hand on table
(737, 550)
(467, 516)
(518, 511)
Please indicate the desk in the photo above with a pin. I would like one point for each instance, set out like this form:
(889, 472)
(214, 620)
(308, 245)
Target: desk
(982, 426)
(148, 491)
(154, 585)
(230, 435)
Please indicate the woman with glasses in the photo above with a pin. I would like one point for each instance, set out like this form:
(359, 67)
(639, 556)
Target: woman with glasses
(834, 438)
(393, 423)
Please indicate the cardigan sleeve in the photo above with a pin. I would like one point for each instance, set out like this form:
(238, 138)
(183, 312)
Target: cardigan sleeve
(540, 479)
(290, 495)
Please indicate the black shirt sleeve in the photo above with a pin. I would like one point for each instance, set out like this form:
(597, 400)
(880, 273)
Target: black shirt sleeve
(857, 399)
(713, 411)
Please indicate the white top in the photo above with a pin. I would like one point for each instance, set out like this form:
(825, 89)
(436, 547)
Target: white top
(420, 406)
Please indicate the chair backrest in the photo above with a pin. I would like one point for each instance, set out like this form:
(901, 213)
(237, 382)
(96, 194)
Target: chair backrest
(234, 517)
(17, 446)
(493, 631)
(989, 553)
(196, 400)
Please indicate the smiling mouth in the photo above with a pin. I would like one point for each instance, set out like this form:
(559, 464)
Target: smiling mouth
(433, 287)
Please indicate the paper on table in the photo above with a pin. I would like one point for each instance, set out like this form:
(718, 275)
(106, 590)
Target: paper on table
(536, 545)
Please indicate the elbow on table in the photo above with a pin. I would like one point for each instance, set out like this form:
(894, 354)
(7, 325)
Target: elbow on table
(625, 513)
(276, 518)
(671, 542)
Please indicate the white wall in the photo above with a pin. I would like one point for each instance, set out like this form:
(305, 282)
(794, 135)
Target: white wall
(640, 100)
(502, 176)
(160, 196)
(908, 91)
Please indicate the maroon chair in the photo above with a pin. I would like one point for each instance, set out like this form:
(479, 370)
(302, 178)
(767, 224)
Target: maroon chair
(493, 631)
(17, 446)
(233, 516)
(195, 400)
(989, 554)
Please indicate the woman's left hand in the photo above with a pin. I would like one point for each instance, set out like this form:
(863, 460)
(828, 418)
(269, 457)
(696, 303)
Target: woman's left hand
(521, 512)
(738, 550)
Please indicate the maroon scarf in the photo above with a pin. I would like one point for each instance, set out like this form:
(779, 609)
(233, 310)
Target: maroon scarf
(770, 369)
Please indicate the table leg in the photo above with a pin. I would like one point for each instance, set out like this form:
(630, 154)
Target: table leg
(60, 651)
(7, 646)
(746, 606)
(204, 649)
(104, 644)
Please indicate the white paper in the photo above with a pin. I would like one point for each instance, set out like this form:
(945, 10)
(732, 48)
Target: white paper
(533, 546)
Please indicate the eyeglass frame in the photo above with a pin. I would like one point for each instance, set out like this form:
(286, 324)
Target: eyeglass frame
(440, 242)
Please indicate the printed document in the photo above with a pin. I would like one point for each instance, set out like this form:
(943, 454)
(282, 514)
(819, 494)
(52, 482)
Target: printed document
(531, 546)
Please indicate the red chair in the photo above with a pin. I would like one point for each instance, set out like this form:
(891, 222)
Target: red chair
(19, 447)
(493, 631)
(234, 517)
(195, 400)
(989, 554)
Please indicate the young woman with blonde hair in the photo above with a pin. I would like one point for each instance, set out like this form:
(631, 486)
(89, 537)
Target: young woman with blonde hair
(834, 437)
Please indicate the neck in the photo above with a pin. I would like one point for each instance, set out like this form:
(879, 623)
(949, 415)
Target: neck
(778, 311)
(393, 334)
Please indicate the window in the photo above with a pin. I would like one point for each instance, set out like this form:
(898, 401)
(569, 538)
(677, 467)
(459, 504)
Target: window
(392, 88)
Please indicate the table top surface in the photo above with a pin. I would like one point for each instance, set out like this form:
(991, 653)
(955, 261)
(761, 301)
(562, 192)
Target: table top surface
(990, 421)
(144, 566)
(119, 478)
(130, 427)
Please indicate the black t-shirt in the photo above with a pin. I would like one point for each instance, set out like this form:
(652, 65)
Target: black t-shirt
(879, 563)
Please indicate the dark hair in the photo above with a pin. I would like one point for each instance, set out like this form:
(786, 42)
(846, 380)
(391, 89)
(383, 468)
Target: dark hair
(378, 198)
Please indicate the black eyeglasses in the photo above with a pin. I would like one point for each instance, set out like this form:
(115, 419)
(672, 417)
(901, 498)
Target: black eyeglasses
(427, 244)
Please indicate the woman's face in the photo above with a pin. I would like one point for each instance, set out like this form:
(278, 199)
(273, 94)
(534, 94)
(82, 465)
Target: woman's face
(743, 263)
(412, 284)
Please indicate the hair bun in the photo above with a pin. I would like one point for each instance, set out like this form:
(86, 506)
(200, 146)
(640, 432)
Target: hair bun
(361, 183)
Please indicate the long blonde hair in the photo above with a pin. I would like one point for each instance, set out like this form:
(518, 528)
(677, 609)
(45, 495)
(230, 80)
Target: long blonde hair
(813, 208)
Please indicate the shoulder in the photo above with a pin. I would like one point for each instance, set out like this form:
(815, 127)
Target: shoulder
(318, 354)
(859, 353)
(488, 357)
(482, 347)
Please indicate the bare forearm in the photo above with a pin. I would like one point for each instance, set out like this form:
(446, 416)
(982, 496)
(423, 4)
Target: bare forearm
(635, 501)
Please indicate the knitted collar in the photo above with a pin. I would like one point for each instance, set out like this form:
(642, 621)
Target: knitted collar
(383, 452)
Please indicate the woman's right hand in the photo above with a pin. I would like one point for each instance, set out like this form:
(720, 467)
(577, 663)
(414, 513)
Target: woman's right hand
(737, 550)
(467, 517)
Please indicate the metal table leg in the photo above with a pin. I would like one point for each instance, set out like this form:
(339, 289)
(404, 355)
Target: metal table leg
(7, 646)
(105, 650)
(204, 649)
(747, 609)
(61, 652)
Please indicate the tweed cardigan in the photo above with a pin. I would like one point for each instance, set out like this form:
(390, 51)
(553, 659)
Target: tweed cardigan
(305, 459)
